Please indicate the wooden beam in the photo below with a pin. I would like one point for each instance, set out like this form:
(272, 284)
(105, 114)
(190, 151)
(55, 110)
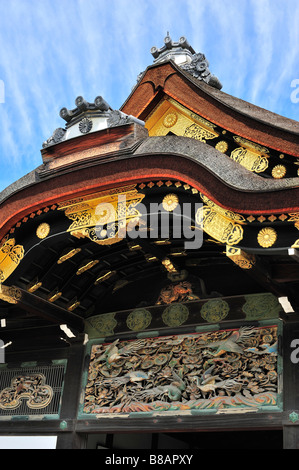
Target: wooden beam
(42, 308)
(286, 272)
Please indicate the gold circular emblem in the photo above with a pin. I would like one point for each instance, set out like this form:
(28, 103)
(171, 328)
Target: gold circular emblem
(170, 202)
(222, 146)
(170, 119)
(267, 237)
(279, 171)
(43, 230)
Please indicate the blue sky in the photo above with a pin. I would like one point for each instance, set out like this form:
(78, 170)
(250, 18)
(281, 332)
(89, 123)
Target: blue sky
(55, 50)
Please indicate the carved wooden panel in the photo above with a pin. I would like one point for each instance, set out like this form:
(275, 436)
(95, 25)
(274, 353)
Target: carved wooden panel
(31, 390)
(221, 371)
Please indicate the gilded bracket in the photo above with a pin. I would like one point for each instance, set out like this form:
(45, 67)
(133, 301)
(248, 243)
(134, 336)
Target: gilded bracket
(10, 294)
(240, 257)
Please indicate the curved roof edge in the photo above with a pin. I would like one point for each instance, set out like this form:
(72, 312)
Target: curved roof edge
(243, 107)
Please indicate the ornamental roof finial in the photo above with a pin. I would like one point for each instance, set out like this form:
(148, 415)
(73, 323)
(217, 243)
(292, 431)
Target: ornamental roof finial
(184, 55)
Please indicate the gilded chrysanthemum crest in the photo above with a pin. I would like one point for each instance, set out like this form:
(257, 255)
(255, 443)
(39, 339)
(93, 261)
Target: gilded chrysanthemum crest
(267, 237)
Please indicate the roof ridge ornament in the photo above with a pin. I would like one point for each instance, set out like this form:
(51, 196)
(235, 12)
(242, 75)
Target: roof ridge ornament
(88, 117)
(186, 58)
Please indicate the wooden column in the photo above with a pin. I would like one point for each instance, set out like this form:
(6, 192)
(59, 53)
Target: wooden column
(291, 384)
(69, 439)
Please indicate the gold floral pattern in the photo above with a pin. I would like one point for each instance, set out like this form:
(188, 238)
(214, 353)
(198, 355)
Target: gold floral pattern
(267, 237)
(222, 146)
(170, 120)
(279, 171)
(170, 202)
(43, 230)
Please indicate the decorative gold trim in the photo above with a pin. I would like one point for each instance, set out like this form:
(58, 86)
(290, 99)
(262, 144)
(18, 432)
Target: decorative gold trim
(250, 160)
(73, 304)
(169, 265)
(296, 244)
(69, 254)
(43, 230)
(194, 131)
(252, 156)
(86, 266)
(104, 276)
(54, 295)
(267, 237)
(34, 285)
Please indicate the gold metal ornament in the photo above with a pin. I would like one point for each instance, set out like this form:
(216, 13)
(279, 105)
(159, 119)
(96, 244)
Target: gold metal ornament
(170, 202)
(219, 227)
(222, 146)
(197, 132)
(10, 294)
(252, 156)
(100, 212)
(68, 254)
(34, 285)
(240, 258)
(170, 120)
(267, 237)
(10, 257)
(43, 230)
(279, 171)
(54, 295)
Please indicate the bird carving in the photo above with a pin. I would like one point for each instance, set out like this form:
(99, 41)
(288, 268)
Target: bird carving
(132, 376)
(211, 386)
(230, 344)
(173, 390)
(112, 353)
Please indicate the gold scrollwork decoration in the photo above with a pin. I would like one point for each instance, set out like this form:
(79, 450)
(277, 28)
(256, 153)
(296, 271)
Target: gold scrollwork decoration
(218, 226)
(252, 156)
(197, 132)
(101, 217)
(10, 257)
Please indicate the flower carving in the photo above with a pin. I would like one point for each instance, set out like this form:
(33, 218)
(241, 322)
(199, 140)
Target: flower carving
(267, 237)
